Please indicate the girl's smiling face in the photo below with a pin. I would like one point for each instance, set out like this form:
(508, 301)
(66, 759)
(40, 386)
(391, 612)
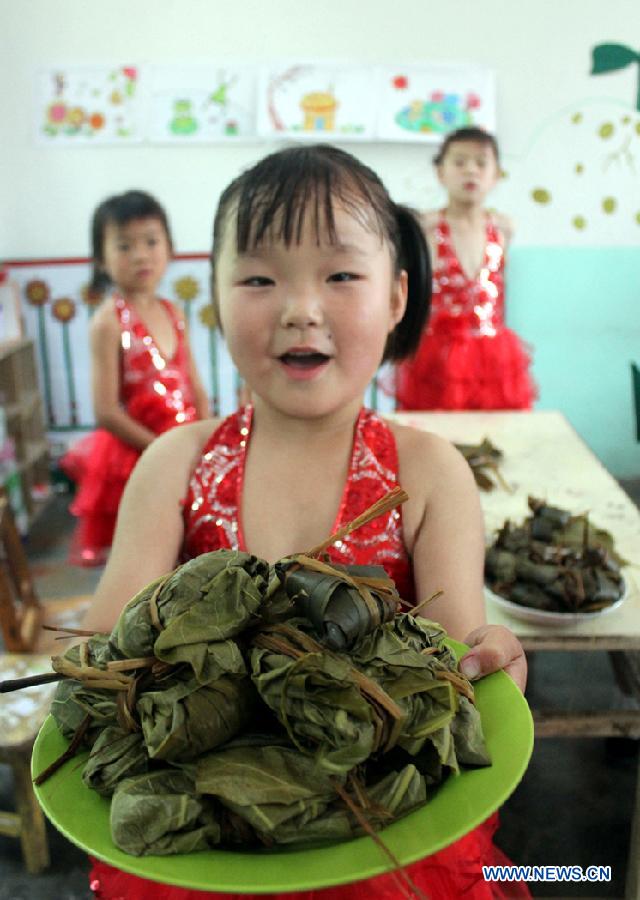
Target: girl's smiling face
(307, 324)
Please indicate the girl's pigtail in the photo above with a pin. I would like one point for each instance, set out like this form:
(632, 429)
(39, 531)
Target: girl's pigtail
(413, 257)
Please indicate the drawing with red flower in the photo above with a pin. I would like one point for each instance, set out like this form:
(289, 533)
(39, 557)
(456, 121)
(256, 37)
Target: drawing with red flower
(400, 82)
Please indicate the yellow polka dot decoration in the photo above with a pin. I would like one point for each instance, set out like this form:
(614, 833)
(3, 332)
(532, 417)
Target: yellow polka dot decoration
(541, 195)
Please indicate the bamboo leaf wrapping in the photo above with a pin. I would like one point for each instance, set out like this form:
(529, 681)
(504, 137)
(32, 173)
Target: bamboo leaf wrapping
(210, 598)
(266, 786)
(208, 661)
(72, 702)
(115, 755)
(218, 715)
(393, 655)
(319, 705)
(555, 562)
(326, 596)
(160, 813)
(484, 460)
(184, 719)
(134, 634)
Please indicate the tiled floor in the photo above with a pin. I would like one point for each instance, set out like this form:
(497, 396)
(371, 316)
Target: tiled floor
(573, 806)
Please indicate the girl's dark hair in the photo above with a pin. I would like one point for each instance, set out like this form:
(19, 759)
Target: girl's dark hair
(467, 135)
(271, 200)
(119, 210)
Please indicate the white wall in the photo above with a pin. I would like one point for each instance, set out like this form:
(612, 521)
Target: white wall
(538, 48)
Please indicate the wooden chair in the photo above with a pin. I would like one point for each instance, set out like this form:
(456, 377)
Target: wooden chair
(635, 384)
(29, 650)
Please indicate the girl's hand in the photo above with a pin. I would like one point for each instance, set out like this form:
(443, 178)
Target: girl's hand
(494, 647)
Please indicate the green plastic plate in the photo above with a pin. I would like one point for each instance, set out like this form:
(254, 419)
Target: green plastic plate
(458, 806)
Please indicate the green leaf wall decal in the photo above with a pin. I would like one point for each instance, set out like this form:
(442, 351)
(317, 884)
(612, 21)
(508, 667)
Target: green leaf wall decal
(608, 57)
(611, 57)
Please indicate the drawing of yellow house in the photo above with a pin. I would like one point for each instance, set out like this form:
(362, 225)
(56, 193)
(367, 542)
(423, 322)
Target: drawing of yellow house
(319, 110)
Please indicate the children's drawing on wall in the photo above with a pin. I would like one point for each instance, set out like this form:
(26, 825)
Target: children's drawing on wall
(89, 104)
(318, 102)
(202, 103)
(423, 103)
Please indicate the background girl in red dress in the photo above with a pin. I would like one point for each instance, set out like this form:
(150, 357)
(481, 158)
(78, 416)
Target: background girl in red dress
(467, 358)
(144, 380)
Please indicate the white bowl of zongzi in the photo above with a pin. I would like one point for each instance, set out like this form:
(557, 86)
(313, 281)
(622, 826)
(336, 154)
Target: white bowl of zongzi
(554, 568)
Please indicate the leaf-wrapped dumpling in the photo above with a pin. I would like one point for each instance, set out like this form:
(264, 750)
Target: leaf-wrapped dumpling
(160, 813)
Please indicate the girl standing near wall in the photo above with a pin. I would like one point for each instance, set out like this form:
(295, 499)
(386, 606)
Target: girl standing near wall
(468, 358)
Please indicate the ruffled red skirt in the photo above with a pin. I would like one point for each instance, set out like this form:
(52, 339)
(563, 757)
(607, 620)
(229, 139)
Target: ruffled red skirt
(453, 872)
(455, 369)
(100, 464)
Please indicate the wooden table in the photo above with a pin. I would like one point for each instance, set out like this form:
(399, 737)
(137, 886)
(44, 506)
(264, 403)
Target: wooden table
(545, 458)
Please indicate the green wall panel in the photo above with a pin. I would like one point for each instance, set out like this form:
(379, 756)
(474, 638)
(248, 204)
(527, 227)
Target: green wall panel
(580, 310)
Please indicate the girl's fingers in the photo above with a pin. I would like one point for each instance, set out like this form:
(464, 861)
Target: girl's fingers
(494, 647)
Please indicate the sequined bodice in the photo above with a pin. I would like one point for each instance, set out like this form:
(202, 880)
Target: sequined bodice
(154, 391)
(472, 305)
(212, 504)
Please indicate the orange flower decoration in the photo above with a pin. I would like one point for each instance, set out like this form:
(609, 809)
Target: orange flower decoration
(186, 288)
(37, 292)
(96, 120)
(208, 316)
(90, 296)
(64, 309)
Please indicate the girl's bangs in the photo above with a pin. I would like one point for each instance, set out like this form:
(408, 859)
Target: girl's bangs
(276, 210)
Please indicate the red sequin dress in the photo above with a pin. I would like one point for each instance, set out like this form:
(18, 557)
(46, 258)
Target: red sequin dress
(212, 521)
(155, 392)
(467, 358)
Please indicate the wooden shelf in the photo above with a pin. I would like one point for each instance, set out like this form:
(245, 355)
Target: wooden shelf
(35, 453)
(9, 347)
(27, 404)
(25, 421)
